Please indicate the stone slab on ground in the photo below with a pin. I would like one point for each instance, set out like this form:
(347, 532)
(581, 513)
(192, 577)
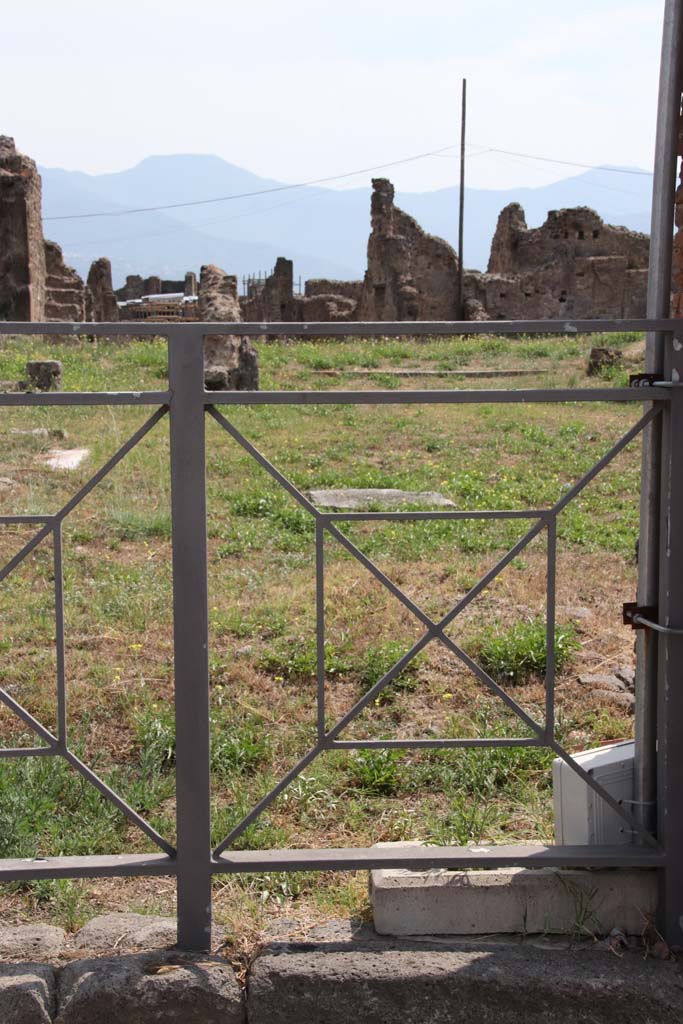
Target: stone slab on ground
(31, 941)
(71, 458)
(149, 988)
(393, 371)
(491, 983)
(513, 900)
(110, 932)
(362, 498)
(27, 993)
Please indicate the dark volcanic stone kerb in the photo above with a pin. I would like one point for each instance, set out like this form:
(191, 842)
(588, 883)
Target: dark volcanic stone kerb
(149, 988)
(494, 984)
(27, 993)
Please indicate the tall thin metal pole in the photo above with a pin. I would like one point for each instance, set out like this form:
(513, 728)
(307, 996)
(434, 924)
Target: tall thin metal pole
(461, 198)
(658, 301)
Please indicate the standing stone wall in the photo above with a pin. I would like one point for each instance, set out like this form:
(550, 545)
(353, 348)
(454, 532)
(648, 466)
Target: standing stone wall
(411, 275)
(64, 289)
(101, 305)
(230, 362)
(22, 256)
(573, 266)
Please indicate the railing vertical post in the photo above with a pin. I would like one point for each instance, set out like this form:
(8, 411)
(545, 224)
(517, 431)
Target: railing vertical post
(670, 658)
(190, 618)
(658, 302)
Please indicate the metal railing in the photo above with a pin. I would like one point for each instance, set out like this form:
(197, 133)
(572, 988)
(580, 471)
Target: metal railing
(186, 401)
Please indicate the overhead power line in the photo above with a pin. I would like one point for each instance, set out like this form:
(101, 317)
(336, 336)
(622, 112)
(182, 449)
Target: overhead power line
(248, 195)
(566, 163)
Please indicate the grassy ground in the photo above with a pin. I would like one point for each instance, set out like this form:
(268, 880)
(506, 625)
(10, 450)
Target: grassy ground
(261, 578)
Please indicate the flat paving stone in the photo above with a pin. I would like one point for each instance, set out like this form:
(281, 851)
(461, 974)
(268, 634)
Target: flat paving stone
(363, 498)
(70, 458)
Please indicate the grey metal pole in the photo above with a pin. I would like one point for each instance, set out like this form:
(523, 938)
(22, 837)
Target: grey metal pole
(190, 618)
(658, 301)
(461, 198)
(670, 660)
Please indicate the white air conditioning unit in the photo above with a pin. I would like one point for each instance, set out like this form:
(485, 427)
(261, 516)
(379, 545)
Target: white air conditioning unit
(581, 816)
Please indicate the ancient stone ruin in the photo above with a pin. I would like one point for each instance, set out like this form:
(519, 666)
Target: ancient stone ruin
(35, 283)
(100, 302)
(573, 266)
(230, 361)
(64, 289)
(22, 256)
(411, 275)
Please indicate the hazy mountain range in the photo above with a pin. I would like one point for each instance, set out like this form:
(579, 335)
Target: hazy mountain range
(323, 230)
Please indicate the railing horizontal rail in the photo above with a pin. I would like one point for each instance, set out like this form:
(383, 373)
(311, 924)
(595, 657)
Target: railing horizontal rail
(33, 398)
(469, 397)
(421, 858)
(102, 866)
(403, 328)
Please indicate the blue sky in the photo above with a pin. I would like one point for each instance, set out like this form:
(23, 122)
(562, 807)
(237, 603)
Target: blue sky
(295, 91)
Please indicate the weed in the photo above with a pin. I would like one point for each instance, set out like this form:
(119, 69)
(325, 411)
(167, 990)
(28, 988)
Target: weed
(297, 658)
(376, 771)
(518, 652)
(376, 662)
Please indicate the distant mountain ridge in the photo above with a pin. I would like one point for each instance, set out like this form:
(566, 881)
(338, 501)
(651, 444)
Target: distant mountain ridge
(323, 230)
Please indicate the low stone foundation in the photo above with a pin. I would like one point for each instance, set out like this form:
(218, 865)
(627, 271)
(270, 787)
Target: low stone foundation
(334, 974)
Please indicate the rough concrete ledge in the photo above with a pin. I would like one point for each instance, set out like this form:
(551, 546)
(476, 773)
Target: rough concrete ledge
(439, 983)
(525, 901)
(513, 900)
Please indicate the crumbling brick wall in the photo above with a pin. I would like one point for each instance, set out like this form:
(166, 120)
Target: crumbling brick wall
(64, 289)
(411, 275)
(322, 286)
(273, 298)
(101, 305)
(22, 256)
(574, 265)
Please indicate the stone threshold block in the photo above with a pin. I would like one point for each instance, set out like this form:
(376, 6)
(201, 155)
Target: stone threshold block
(512, 900)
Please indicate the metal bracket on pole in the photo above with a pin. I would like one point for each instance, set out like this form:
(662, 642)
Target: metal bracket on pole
(636, 615)
(644, 380)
